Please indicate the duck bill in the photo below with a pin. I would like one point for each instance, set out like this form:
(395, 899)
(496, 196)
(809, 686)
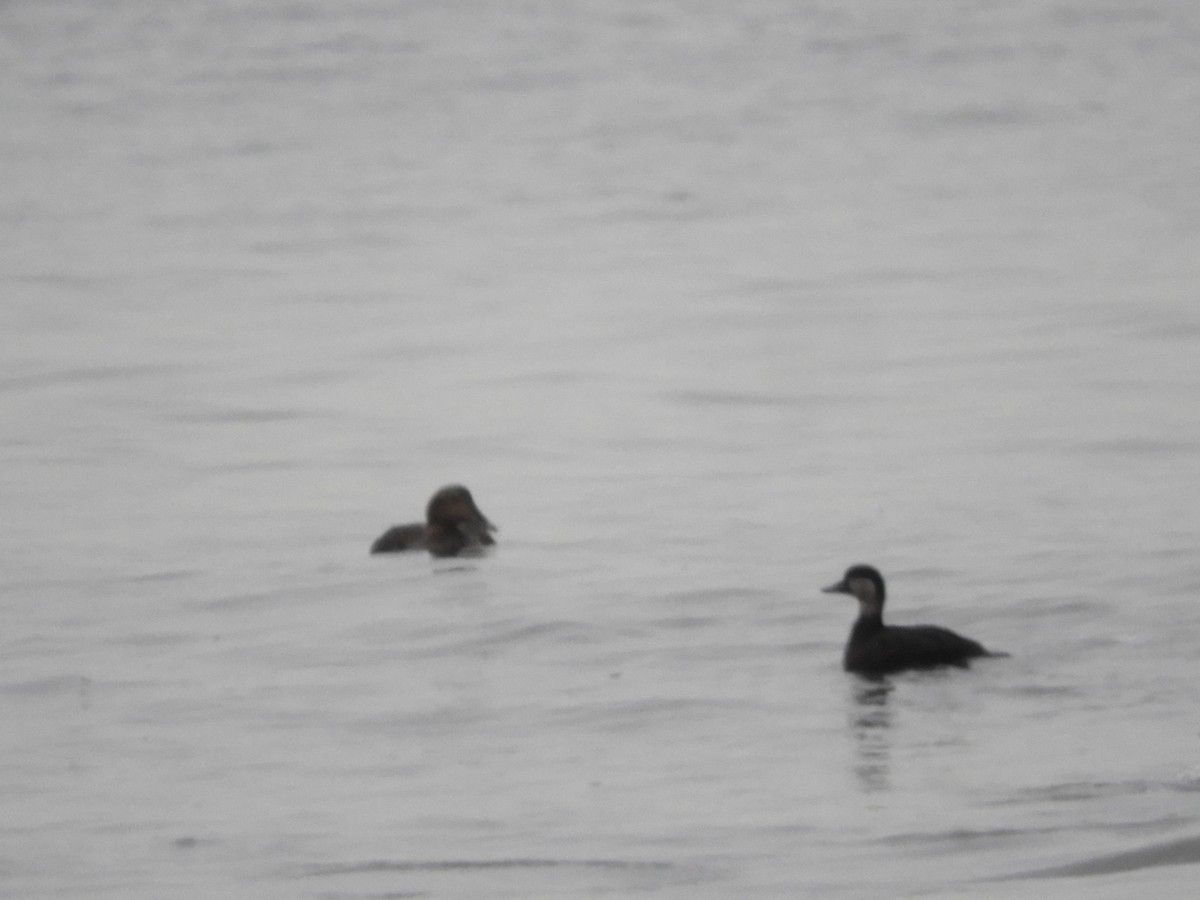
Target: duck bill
(477, 521)
(838, 588)
(476, 529)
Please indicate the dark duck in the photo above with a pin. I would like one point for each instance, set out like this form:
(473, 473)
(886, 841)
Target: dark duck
(876, 649)
(453, 525)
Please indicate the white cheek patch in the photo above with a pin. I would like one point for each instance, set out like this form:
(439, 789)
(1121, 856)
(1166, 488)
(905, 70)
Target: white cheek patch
(868, 600)
(861, 588)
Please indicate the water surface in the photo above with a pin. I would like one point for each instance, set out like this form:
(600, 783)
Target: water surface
(704, 304)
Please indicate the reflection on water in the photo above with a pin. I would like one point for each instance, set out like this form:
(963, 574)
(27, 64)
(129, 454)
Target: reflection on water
(870, 724)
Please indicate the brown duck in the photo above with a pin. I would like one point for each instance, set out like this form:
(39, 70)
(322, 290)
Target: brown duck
(453, 525)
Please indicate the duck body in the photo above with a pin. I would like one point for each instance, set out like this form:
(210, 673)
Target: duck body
(876, 649)
(453, 525)
(399, 538)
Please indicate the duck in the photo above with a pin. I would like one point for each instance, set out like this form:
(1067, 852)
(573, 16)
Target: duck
(453, 525)
(875, 649)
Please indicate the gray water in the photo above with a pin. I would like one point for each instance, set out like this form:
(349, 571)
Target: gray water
(705, 302)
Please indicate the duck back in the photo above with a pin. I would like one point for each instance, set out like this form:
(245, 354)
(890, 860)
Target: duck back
(881, 649)
(399, 538)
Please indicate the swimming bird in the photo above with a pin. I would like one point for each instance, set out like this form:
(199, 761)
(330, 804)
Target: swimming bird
(876, 649)
(453, 525)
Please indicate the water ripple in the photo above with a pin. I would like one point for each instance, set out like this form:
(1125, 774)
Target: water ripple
(471, 865)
